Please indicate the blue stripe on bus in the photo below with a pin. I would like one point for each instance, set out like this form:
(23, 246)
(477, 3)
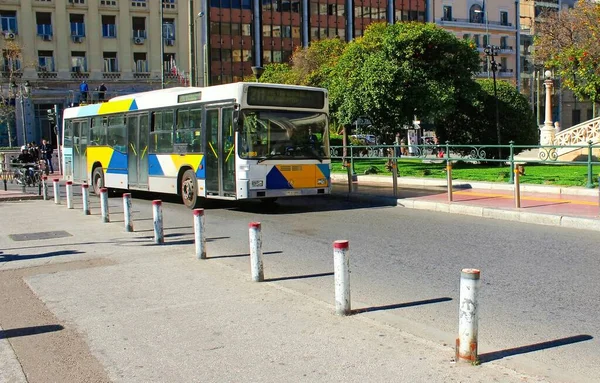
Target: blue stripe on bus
(324, 168)
(118, 163)
(201, 172)
(276, 180)
(154, 168)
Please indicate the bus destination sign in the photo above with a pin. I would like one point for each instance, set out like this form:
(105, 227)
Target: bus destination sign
(189, 97)
(291, 98)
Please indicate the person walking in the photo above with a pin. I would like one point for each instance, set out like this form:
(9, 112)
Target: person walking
(83, 91)
(101, 92)
(46, 150)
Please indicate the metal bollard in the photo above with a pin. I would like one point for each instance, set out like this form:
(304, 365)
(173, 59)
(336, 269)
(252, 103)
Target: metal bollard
(45, 188)
(159, 235)
(395, 177)
(127, 212)
(466, 344)
(85, 193)
(104, 205)
(449, 180)
(341, 271)
(199, 238)
(56, 186)
(517, 187)
(69, 195)
(256, 264)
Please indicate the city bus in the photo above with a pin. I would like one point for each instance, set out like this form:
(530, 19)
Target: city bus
(233, 142)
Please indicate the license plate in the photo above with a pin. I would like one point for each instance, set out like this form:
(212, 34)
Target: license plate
(293, 192)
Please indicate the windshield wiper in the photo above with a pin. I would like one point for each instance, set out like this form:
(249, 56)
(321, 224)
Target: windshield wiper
(268, 157)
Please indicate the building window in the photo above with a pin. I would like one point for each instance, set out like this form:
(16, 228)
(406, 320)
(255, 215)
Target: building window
(169, 63)
(109, 26)
(139, 27)
(78, 62)
(447, 13)
(486, 40)
(8, 20)
(503, 42)
(140, 62)
(169, 29)
(476, 14)
(504, 18)
(110, 62)
(77, 25)
(476, 40)
(78, 1)
(112, 3)
(43, 21)
(168, 4)
(45, 61)
(139, 3)
(467, 36)
(504, 65)
(10, 63)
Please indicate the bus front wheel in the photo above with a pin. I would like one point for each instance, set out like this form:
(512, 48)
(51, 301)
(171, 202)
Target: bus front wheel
(189, 190)
(97, 180)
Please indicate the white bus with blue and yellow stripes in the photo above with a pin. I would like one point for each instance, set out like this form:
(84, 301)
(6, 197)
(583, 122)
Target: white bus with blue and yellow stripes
(234, 141)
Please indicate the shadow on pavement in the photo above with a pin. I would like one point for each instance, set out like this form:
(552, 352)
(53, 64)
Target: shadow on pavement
(298, 277)
(490, 356)
(401, 305)
(241, 255)
(26, 331)
(16, 257)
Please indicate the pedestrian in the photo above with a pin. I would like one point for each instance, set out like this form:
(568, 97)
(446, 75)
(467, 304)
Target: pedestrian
(83, 90)
(34, 151)
(47, 151)
(101, 92)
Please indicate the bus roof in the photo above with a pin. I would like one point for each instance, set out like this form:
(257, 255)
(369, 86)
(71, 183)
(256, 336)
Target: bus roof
(169, 97)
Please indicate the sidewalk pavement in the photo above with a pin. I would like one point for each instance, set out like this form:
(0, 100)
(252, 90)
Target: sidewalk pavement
(572, 207)
(96, 304)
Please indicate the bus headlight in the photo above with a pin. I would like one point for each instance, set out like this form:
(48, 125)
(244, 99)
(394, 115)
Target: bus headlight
(321, 181)
(257, 184)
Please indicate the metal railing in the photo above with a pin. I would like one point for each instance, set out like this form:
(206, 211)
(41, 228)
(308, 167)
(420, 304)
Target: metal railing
(588, 155)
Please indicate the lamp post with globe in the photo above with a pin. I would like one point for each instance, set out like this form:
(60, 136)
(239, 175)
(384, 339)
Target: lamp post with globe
(547, 131)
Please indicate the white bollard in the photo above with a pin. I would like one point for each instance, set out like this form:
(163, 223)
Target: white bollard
(45, 188)
(256, 264)
(56, 186)
(199, 237)
(104, 205)
(69, 195)
(341, 271)
(159, 235)
(466, 344)
(127, 212)
(85, 193)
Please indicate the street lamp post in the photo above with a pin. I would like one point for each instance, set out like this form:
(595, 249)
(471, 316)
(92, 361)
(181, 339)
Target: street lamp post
(547, 131)
(22, 92)
(258, 71)
(491, 51)
(487, 34)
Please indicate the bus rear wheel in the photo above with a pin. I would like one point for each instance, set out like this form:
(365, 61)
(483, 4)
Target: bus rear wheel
(189, 190)
(97, 180)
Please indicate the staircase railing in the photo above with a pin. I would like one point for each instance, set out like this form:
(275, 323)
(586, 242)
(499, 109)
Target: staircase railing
(579, 134)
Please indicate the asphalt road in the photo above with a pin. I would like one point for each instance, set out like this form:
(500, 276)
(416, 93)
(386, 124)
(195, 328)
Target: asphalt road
(539, 299)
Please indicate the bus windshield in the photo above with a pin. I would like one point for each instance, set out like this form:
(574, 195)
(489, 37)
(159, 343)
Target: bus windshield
(270, 134)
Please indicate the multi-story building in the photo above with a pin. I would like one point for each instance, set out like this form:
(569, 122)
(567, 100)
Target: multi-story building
(485, 23)
(136, 45)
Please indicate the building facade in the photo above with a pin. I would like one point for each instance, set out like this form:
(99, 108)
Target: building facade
(485, 23)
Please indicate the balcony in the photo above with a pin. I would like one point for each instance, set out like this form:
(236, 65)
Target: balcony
(470, 23)
(506, 50)
(505, 73)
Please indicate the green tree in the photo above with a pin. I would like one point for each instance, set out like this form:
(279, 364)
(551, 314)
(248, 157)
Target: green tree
(13, 58)
(278, 74)
(568, 42)
(474, 120)
(396, 71)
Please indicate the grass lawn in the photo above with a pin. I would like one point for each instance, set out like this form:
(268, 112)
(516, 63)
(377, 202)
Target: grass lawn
(564, 175)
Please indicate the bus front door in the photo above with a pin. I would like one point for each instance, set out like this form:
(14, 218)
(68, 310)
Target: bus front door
(220, 152)
(137, 151)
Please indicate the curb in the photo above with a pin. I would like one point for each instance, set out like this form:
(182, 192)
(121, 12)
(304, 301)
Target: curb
(20, 198)
(507, 215)
(461, 184)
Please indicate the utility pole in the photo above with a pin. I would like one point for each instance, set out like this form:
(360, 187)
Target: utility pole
(192, 45)
(162, 48)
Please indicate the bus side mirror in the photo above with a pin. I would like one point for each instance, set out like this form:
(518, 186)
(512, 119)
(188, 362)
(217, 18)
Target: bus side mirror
(238, 121)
